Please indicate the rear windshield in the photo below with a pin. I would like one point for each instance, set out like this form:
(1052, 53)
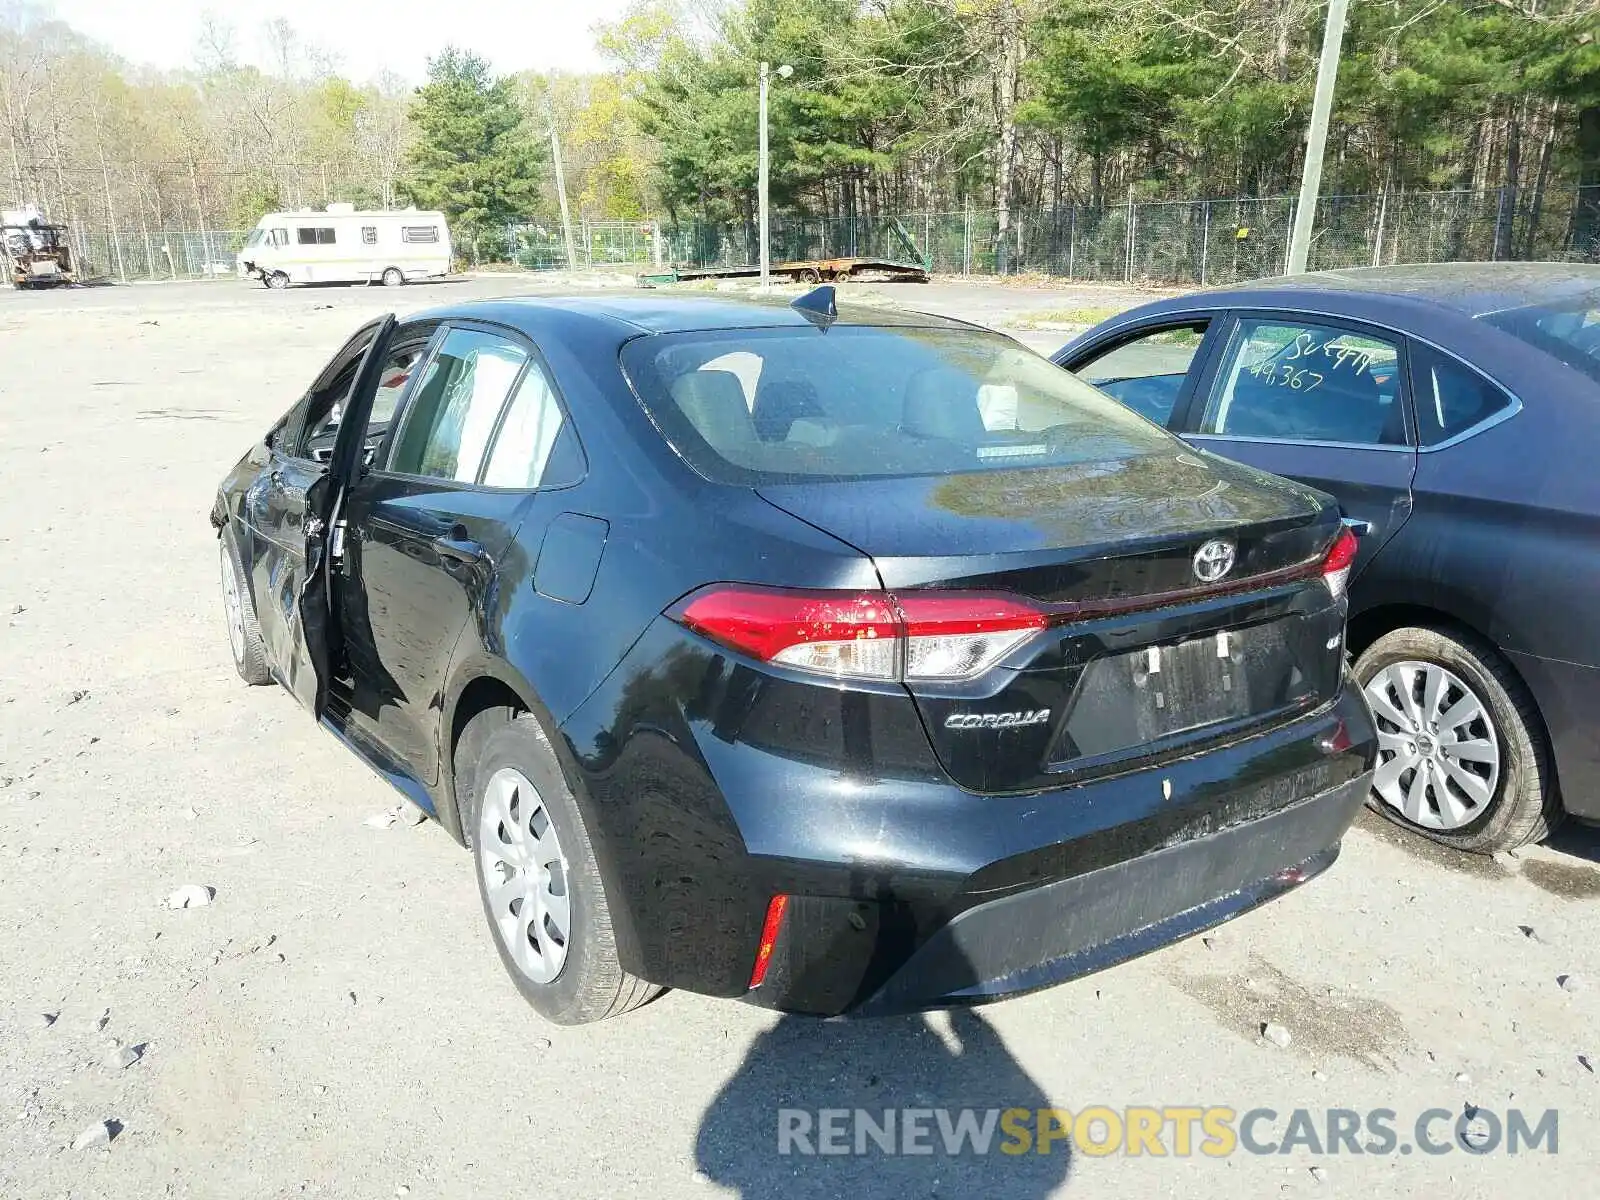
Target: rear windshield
(852, 402)
(1569, 330)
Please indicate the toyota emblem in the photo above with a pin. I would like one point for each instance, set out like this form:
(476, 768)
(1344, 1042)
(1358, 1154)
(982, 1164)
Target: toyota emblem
(1213, 560)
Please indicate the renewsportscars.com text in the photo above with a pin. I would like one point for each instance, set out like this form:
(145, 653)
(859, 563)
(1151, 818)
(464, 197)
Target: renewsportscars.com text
(1167, 1131)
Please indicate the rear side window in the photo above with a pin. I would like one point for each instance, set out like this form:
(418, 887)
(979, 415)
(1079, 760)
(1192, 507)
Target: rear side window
(369, 235)
(853, 402)
(419, 233)
(532, 424)
(447, 426)
(1450, 397)
(1569, 332)
(1300, 381)
(320, 236)
(1147, 371)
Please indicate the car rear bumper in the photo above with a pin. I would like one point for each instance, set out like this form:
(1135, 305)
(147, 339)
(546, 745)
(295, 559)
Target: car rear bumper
(1075, 926)
(905, 890)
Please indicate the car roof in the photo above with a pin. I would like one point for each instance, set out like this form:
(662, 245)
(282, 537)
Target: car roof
(649, 312)
(1474, 289)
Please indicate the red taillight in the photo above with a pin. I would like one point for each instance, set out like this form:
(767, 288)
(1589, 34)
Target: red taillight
(769, 938)
(864, 635)
(1341, 556)
(837, 633)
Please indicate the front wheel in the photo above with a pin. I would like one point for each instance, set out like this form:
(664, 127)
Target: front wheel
(538, 881)
(244, 635)
(1462, 757)
(276, 280)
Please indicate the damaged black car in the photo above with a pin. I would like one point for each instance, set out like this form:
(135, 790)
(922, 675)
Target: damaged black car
(838, 662)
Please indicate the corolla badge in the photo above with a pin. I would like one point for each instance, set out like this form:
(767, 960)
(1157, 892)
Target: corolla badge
(1214, 560)
(1004, 720)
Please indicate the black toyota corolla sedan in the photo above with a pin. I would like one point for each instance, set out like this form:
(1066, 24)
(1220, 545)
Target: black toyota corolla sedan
(836, 662)
(1455, 410)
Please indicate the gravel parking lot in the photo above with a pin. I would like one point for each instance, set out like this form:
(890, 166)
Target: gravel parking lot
(334, 1022)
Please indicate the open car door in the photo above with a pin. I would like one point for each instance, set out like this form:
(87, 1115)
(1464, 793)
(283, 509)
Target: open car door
(320, 647)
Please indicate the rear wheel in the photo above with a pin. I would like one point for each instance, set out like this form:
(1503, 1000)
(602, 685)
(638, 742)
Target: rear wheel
(1462, 757)
(539, 884)
(244, 635)
(393, 277)
(276, 280)
(810, 275)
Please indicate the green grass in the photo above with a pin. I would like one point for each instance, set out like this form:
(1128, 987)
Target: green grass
(1064, 316)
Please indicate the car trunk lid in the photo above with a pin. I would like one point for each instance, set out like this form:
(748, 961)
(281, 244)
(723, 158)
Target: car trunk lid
(1141, 657)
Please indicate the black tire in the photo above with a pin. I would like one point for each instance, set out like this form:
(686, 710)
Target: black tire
(249, 655)
(276, 280)
(809, 275)
(590, 985)
(393, 277)
(1524, 806)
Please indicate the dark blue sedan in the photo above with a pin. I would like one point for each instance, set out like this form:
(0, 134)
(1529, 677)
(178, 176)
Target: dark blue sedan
(1453, 409)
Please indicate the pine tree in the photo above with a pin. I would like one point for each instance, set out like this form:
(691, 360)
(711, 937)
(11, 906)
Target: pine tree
(473, 158)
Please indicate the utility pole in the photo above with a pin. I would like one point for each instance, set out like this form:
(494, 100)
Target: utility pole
(763, 173)
(561, 187)
(765, 218)
(1305, 211)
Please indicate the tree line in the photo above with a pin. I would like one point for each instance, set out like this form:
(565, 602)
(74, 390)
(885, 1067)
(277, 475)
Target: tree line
(893, 106)
(918, 105)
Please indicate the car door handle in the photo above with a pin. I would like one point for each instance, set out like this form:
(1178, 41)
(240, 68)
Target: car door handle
(457, 547)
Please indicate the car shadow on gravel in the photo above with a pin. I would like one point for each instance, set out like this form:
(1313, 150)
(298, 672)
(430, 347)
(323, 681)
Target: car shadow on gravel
(1579, 841)
(767, 1133)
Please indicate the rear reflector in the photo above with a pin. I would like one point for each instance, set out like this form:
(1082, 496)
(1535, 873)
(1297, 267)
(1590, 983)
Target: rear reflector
(1341, 557)
(770, 929)
(864, 635)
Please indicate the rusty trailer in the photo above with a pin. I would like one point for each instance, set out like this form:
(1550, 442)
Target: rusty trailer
(808, 270)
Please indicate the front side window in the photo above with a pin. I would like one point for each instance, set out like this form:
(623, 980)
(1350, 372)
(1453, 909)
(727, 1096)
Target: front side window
(325, 403)
(1302, 381)
(280, 237)
(1450, 397)
(402, 360)
(855, 402)
(447, 424)
(1147, 371)
(321, 235)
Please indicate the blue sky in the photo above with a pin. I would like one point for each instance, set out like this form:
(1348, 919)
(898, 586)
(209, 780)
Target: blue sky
(366, 36)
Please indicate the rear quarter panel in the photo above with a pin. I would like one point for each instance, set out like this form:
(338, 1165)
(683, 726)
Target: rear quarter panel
(1505, 538)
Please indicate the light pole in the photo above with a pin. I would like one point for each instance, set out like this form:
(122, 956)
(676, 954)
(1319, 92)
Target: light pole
(1305, 211)
(763, 171)
(561, 185)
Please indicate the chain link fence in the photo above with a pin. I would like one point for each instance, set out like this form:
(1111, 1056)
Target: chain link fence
(1199, 242)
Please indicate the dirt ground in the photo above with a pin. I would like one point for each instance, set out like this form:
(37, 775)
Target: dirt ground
(335, 1022)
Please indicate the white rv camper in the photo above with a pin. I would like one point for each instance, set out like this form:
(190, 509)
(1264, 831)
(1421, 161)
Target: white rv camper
(343, 245)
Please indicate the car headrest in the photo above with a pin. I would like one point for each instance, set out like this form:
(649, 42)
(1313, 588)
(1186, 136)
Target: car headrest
(943, 403)
(715, 405)
(781, 402)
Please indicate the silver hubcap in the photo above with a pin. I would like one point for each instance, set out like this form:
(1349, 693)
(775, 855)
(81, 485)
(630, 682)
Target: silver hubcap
(524, 875)
(232, 606)
(1438, 751)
